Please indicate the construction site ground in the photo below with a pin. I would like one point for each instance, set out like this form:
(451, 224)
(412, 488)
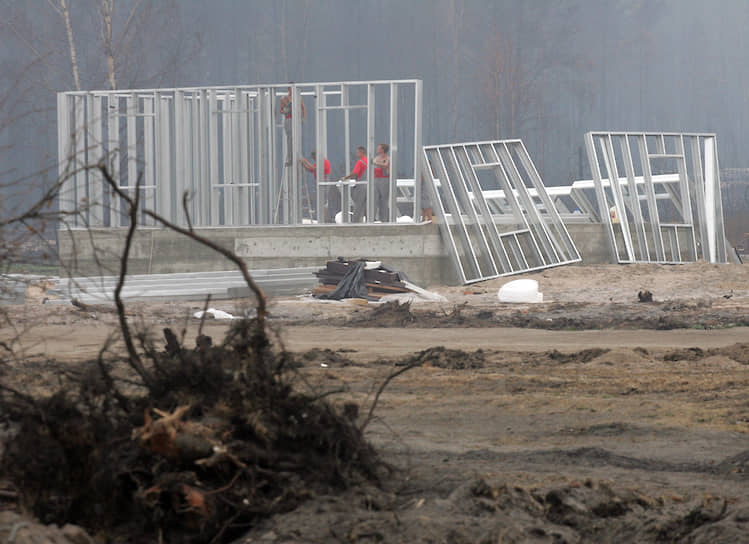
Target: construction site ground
(590, 417)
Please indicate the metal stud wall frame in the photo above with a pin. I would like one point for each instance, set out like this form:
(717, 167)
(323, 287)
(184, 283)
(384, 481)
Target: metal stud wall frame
(681, 223)
(226, 147)
(478, 186)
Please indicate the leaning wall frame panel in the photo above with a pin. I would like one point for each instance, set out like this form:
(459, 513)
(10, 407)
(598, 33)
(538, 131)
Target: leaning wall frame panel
(692, 196)
(479, 245)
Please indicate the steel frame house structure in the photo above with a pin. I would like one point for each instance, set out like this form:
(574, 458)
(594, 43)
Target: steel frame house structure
(225, 147)
(682, 223)
(479, 186)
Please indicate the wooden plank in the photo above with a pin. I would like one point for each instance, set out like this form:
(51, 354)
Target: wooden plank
(323, 289)
(387, 288)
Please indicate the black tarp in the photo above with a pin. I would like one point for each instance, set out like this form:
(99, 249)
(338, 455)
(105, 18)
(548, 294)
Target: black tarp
(353, 284)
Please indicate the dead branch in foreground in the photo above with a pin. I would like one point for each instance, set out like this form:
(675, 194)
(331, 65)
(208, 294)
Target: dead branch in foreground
(190, 233)
(207, 441)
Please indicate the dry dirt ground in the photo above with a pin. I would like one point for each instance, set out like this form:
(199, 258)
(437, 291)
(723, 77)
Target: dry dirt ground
(588, 418)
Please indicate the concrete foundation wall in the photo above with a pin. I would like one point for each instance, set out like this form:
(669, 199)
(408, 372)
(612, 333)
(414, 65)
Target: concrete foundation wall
(416, 250)
(592, 242)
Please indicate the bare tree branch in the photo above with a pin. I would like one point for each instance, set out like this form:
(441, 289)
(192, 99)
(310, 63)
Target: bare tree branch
(262, 311)
(382, 387)
(135, 360)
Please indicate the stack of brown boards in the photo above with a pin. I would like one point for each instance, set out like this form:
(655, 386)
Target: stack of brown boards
(380, 281)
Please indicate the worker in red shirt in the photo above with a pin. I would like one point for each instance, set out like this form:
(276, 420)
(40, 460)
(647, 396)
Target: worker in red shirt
(333, 193)
(359, 194)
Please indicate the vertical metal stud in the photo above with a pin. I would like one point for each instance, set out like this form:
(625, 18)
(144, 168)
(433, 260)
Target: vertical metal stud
(132, 144)
(192, 167)
(710, 201)
(64, 152)
(370, 152)
(96, 155)
(320, 190)
(81, 196)
(228, 164)
(195, 157)
(243, 198)
(179, 156)
(393, 178)
(148, 152)
(346, 189)
(204, 179)
(720, 233)
(213, 178)
(167, 152)
(273, 187)
(253, 153)
(418, 100)
(263, 165)
(295, 192)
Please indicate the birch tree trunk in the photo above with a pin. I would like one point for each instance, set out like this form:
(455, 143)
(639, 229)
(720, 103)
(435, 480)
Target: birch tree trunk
(63, 9)
(107, 9)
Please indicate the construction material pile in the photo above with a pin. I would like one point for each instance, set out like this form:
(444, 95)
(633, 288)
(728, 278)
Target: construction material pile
(370, 280)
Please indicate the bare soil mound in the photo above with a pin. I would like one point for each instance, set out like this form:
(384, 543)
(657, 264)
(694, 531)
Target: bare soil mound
(482, 511)
(738, 352)
(441, 357)
(583, 356)
(325, 356)
(555, 316)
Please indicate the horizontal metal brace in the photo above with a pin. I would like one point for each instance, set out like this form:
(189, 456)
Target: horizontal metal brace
(354, 107)
(231, 185)
(342, 183)
(236, 111)
(264, 86)
(514, 233)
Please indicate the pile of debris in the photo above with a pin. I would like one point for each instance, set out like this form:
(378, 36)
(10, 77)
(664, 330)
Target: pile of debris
(194, 445)
(370, 280)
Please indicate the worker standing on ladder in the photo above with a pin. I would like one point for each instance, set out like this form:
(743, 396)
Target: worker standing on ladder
(287, 123)
(333, 194)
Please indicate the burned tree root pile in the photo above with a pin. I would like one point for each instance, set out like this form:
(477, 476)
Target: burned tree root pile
(206, 442)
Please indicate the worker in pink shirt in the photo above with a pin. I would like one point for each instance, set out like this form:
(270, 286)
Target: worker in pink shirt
(381, 162)
(359, 194)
